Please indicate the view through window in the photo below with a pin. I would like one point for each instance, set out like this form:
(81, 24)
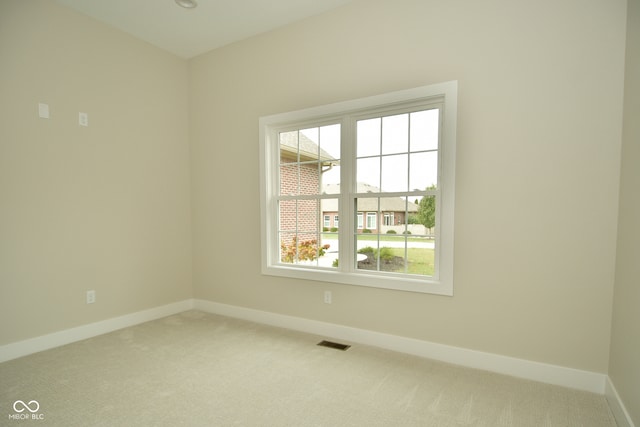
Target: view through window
(363, 195)
(395, 196)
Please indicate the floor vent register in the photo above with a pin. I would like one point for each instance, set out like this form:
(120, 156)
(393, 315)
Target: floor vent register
(335, 345)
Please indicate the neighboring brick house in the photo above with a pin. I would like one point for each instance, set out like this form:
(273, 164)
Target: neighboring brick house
(392, 210)
(301, 166)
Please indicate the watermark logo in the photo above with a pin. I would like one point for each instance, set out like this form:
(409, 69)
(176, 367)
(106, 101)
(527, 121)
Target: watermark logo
(26, 411)
(28, 406)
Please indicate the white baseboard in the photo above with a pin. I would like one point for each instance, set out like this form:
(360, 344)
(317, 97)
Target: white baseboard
(57, 339)
(623, 419)
(552, 374)
(567, 377)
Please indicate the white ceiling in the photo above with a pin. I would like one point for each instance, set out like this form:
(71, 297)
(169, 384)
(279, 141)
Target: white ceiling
(190, 32)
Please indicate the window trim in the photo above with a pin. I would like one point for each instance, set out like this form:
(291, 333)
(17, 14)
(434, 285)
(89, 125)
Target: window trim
(335, 113)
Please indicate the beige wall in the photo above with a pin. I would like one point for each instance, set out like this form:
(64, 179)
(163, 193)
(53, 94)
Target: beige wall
(624, 366)
(108, 207)
(539, 129)
(105, 207)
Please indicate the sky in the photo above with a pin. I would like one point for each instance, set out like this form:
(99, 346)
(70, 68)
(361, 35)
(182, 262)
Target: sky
(384, 147)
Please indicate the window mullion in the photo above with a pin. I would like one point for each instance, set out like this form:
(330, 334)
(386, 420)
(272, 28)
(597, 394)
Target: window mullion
(346, 206)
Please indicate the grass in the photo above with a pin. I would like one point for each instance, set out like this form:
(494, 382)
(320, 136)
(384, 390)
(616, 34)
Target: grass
(419, 260)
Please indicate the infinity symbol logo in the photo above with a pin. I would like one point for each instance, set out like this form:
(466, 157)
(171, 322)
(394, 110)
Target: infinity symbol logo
(26, 406)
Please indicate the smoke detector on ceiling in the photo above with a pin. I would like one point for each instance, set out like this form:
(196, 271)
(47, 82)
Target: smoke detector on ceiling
(187, 4)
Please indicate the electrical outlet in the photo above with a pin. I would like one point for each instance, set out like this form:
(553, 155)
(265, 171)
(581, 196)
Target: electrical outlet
(327, 297)
(91, 297)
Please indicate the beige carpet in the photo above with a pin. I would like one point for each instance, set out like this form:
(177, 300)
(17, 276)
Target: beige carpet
(197, 369)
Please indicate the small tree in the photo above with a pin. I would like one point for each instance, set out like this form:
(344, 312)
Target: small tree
(413, 218)
(427, 210)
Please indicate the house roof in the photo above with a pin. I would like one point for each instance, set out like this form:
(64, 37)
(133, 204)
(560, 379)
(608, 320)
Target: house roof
(291, 142)
(368, 204)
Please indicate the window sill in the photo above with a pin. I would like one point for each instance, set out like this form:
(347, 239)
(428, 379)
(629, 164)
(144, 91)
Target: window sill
(383, 280)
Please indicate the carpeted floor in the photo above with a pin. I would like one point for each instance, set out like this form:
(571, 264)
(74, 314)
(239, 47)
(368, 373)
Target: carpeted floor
(198, 369)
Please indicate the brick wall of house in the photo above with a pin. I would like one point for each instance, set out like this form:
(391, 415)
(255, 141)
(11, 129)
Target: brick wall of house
(308, 214)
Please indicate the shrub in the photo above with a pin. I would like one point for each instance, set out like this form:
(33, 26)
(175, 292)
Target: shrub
(386, 254)
(392, 232)
(406, 232)
(366, 230)
(333, 229)
(306, 250)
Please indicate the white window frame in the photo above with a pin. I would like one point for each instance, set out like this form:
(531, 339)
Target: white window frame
(336, 221)
(326, 221)
(445, 94)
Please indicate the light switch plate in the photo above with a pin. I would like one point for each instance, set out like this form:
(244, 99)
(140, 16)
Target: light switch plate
(83, 119)
(43, 111)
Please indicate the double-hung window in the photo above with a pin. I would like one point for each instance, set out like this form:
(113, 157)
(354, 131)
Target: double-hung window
(384, 165)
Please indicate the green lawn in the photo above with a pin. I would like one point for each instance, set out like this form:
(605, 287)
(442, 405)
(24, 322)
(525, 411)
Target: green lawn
(419, 260)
